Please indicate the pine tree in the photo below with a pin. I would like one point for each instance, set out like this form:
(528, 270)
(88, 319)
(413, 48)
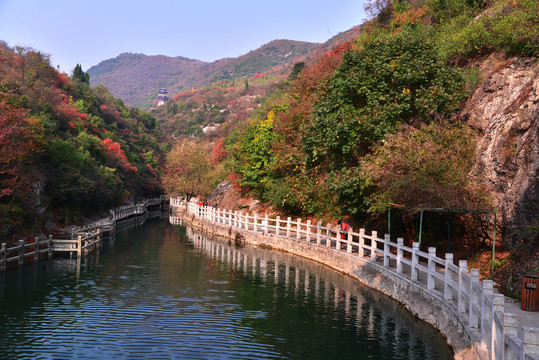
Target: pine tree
(79, 74)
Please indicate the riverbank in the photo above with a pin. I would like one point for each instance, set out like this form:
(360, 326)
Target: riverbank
(458, 316)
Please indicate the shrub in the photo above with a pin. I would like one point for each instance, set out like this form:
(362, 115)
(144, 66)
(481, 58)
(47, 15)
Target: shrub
(426, 167)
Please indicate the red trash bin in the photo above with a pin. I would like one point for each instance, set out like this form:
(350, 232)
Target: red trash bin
(530, 295)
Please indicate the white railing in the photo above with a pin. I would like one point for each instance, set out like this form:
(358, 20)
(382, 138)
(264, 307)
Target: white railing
(476, 302)
(135, 209)
(27, 248)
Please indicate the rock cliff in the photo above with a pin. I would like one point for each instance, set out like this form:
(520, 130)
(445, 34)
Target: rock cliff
(504, 110)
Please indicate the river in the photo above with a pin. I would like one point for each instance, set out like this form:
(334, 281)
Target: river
(161, 291)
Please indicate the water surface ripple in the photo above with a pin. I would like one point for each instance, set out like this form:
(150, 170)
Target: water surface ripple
(161, 292)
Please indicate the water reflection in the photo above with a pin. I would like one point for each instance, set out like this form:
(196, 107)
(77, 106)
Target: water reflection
(374, 317)
(161, 291)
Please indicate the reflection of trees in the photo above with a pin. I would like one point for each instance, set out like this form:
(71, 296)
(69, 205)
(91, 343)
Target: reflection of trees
(310, 303)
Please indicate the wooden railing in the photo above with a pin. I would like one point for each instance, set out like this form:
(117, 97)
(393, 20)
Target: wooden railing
(476, 302)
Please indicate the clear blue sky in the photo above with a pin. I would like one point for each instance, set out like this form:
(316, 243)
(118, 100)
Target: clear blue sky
(89, 31)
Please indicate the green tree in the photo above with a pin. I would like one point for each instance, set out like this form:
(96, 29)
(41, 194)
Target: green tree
(80, 75)
(391, 80)
(296, 69)
(253, 158)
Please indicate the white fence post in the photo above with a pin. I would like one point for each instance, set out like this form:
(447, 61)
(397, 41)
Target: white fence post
(387, 240)
(530, 341)
(415, 260)
(448, 290)
(36, 248)
(361, 242)
(266, 224)
(255, 225)
(308, 231)
(288, 226)
(3, 257)
(374, 245)
(318, 232)
(21, 251)
(474, 297)
(79, 245)
(463, 287)
(498, 341)
(298, 229)
(328, 236)
(50, 248)
(431, 284)
(400, 244)
(486, 314)
(277, 225)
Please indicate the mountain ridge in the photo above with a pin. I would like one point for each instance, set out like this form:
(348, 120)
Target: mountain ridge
(135, 77)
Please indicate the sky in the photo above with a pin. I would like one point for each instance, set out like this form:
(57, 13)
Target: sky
(87, 32)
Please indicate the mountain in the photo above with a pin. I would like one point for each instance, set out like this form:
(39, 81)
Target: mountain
(135, 78)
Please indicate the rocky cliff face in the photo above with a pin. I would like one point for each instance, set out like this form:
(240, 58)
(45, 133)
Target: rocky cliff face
(505, 112)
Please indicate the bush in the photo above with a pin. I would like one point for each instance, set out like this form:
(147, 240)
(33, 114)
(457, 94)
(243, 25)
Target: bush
(427, 167)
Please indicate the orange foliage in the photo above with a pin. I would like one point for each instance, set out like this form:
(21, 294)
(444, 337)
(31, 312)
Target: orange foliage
(409, 17)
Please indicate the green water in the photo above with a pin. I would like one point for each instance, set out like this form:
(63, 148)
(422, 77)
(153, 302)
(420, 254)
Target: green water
(159, 291)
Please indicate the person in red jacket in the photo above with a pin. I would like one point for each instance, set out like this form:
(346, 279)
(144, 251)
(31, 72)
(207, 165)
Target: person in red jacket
(344, 229)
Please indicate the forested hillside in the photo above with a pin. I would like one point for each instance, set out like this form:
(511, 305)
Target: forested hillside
(67, 151)
(378, 123)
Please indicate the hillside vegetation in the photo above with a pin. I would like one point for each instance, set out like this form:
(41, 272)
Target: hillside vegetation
(67, 151)
(375, 123)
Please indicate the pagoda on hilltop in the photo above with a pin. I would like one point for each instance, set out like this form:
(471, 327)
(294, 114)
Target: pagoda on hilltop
(162, 96)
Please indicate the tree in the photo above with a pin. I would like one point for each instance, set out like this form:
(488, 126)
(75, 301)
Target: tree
(188, 170)
(296, 69)
(80, 75)
(17, 143)
(253, 158)
(391, 80)
(116, 156)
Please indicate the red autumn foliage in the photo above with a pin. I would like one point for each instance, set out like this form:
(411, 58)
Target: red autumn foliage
(152, 170)
(60, 80)
(16, 145)
(218, 153)
(234, 179)
(70, 115)
(116, 156)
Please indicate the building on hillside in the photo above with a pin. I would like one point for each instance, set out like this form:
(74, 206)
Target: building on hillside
(162, 96)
